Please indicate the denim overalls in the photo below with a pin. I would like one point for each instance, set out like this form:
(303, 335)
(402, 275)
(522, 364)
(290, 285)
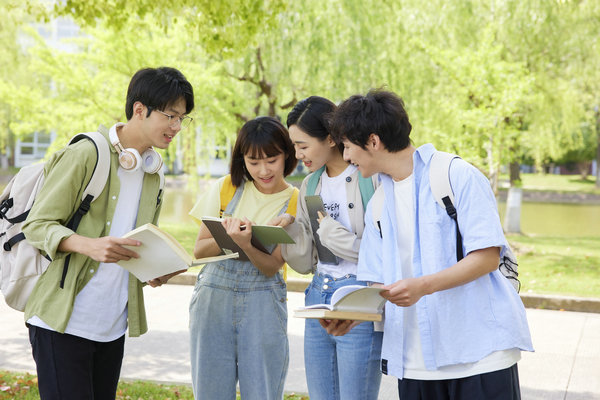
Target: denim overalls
(238, 330)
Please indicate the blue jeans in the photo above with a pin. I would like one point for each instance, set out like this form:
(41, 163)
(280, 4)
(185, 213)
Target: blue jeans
(238, 332)
(340, 367)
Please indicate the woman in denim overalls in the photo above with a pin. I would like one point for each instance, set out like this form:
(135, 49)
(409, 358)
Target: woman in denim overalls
(238, 312)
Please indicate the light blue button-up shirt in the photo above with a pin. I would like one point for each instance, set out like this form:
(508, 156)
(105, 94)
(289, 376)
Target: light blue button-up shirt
(459, 325)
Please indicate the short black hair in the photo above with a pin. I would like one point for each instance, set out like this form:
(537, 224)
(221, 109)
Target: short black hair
(380, 112)
(311, 115)
(158, 88)
(262, 136)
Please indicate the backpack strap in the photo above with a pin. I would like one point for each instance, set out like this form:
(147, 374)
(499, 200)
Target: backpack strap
(227, 193)
(439, 181)
(313, 181)
(293, 203)
(93, 188)
(365, 185)
(102, 167)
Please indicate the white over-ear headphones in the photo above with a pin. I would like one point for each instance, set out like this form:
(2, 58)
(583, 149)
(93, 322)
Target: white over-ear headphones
(130, 160)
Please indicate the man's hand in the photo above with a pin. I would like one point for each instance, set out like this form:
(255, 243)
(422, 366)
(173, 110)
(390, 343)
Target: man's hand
(110, 249)
(405, 292)
(107, 249)
(161, 280)
(338, 327)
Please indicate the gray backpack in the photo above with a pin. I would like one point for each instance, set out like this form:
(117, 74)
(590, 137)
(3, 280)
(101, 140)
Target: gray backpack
(21, 264)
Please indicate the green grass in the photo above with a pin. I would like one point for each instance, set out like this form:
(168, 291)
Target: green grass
(558, 265)
(558, 183)
(547, 264)
(23, 386)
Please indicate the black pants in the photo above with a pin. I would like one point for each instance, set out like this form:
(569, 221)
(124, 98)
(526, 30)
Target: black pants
(70, 367)
(497, 385)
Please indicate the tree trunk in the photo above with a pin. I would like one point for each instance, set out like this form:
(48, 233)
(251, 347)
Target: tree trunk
(584, 169)
(512, 219)
(598, 147)
(515, 173)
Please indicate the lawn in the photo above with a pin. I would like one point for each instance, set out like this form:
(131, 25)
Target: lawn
(557, 183)
(23, 386)
(547, 264)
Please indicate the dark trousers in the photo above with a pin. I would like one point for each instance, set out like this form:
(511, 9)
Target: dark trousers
(497, 385)
(70, 367)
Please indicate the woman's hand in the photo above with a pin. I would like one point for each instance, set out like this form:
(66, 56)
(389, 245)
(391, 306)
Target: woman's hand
(282, 220)
(240, 230)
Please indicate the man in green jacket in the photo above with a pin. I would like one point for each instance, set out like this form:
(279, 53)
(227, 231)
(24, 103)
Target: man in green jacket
(77, 315)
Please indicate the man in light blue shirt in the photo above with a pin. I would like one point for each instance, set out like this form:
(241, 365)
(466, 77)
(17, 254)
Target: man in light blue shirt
(452, 329)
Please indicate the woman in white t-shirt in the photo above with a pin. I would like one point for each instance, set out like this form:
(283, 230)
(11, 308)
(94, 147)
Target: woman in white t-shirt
(238, 311)
(345, 367)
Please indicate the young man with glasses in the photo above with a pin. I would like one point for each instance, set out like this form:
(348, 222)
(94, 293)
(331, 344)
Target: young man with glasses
(77, 316)
(453, 330)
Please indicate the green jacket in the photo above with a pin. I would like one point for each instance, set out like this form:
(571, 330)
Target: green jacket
(66, 174)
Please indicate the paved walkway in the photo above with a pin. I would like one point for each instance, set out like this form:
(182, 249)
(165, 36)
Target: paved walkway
(565, 366)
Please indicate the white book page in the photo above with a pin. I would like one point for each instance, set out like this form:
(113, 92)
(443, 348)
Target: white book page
(358, 298)
(354, 298)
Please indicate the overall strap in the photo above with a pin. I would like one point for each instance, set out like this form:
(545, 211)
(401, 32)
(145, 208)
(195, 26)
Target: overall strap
(231, 206)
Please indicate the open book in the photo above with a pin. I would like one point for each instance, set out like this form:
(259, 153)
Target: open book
(355, 302)
(264, 237)
(160, 254)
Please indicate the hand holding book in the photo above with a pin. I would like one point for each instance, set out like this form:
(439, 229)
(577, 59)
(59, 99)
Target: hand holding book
(352, 302)
(227, 232)
(160, 254)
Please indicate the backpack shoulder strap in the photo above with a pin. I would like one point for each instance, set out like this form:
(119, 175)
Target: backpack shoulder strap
(439, 181)
(365, 185)
(293, 203)
(439, 176)
(102, 167)
(313, 181)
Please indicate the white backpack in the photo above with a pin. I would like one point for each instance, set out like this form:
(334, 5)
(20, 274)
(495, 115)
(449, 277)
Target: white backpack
(439, 180)
(21, 264)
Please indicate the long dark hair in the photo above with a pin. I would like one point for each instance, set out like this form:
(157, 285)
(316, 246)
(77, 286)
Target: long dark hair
(311, 115)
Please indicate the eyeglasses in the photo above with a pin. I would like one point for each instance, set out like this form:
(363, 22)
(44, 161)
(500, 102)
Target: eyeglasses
(184, 121)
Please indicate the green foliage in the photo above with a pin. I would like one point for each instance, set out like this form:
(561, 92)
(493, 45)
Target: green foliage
(496, 81)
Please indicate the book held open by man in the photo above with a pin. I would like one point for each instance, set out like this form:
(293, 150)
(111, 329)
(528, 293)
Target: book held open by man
(355, 302)
(264, 237)
(160, 254)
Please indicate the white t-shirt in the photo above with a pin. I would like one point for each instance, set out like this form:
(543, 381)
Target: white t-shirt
(414, 364)
(335, 200)
(100, 309)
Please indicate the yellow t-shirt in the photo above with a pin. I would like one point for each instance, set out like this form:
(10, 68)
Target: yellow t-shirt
(258, 207)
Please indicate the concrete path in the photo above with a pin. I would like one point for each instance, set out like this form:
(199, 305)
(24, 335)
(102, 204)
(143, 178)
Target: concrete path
(565, 366)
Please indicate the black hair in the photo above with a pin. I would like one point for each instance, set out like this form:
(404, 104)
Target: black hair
(311, 115)
(158, 88)
(379, 112)
(261, 137)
